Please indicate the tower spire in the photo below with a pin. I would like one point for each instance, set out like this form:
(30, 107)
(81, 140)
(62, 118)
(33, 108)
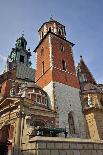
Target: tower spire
(51, 18)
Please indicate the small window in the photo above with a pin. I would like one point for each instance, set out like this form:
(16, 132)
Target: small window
(22, 58)
(38, 98)
(42, 51)
(83, 78)
(46, 101)
(90, 101)
(60, 32)
(42, 35)
(23, 44)
(71, 123)
(63, 65)
(49, 29)
(43, 100)
(62, 48)
(42, 67)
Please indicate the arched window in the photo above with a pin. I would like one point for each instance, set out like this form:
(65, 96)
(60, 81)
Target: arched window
(59, 31)
(42, 35)
(62, 48)
(63, 65)
(71, 123)
(42, 67)
(83, 78)
(4, 133)
(49, 29)
(42, 51)
(4, 138)
(90, 101)
(21, 59)
(85, 102)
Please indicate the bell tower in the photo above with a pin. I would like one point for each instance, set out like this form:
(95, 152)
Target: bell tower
(55, 73)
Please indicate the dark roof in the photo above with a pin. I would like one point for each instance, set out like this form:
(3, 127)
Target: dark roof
(91, 88)
(55, 35)
(85, 70)
(34, 85)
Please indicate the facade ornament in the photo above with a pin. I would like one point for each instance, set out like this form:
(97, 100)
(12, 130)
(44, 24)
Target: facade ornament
(20, 114)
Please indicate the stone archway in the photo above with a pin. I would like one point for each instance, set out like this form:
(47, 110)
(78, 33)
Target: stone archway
(4, 135)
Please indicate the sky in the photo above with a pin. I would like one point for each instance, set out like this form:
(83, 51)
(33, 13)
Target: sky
(83, 20)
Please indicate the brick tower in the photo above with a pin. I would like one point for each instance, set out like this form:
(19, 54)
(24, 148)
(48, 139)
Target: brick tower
(55, 73)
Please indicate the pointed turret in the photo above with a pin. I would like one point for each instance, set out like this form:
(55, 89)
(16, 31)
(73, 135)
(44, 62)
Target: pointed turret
(84, 74)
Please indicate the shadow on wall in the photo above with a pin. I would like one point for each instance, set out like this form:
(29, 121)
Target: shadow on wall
(3, 149)
(18, 151)
(15, 151)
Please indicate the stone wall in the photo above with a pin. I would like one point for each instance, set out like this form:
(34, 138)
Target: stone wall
(68, 100)
(62, 146)
(94, 118)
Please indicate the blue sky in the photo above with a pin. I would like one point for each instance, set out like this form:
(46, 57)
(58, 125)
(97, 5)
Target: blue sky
(83, 20)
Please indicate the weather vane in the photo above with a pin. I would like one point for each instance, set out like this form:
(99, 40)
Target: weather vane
(23, 33)
(51, 16)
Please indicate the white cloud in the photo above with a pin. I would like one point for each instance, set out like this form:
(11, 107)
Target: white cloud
(100, 80)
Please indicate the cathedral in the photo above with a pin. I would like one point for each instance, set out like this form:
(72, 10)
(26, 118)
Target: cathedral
(57, 99)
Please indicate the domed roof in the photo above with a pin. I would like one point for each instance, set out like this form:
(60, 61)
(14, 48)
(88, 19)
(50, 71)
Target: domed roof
(21, 42)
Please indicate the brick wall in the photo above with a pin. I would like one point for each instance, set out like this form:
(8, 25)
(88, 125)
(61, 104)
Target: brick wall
(8, 75)
(53, 56)
(6, 81)
(6, 86)
(43, 80)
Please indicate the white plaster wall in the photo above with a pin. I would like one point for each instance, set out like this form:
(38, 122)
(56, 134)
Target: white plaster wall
(66, 99)
(50, 91)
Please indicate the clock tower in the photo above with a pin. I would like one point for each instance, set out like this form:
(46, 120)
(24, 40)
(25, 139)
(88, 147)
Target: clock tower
(19, 60)
(55, 73)
(19, 54)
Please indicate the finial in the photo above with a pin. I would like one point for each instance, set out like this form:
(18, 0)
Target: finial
(29, 49)
(22, 33)
(51, 18)
(81, 56)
